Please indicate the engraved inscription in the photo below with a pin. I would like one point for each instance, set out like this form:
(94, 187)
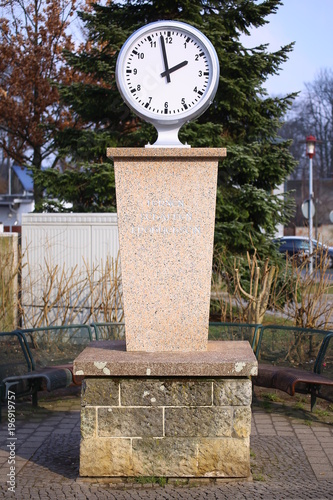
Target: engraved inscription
(165, 217)
(165, 203)
(139, 230)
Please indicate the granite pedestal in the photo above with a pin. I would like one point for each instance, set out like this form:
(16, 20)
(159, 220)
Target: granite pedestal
(166, 201)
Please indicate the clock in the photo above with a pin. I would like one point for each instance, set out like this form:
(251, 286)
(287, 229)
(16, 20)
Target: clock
(168, 72)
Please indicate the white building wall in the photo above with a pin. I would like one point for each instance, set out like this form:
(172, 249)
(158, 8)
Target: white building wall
(279, 230)
(70, 242)
(12, 217)
(70, 239)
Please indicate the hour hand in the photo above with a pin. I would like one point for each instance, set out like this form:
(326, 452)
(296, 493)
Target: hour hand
(174, 68)
(165, 59)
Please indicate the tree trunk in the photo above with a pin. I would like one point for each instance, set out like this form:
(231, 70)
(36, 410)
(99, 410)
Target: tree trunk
(37, 164)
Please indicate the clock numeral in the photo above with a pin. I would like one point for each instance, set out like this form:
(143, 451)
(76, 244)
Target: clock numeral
(135, 71)
(200, 73)
(200, 92)
(141, 55)
(166, 104)
(138, 88)
(149, 101)
(183, 100)
(168, 40)
(153, 44)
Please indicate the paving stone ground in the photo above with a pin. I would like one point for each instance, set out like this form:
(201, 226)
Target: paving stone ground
(289, 459)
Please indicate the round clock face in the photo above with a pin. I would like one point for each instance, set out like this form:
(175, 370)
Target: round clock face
(168, 72)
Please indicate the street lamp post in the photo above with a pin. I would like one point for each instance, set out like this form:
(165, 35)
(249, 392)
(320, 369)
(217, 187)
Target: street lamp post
(310, 152)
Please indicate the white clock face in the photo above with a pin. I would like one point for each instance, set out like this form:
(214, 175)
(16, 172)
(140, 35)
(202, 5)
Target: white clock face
(168, 72)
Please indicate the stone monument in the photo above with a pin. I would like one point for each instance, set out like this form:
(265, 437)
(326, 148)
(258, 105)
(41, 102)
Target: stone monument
(166, 214)
(166, 402)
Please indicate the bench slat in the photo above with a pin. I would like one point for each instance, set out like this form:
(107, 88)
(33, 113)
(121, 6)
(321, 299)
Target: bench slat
(50, 378)
(307, 349)
(287, 379)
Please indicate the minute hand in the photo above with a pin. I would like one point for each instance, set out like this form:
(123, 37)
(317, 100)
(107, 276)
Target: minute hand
(174, 68)
(165, 59)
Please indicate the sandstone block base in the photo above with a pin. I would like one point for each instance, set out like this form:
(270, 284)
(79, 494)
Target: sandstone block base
(166, 426)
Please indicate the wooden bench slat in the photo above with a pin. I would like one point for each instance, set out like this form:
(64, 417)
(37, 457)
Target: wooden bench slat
(286, 379)
(300, 342)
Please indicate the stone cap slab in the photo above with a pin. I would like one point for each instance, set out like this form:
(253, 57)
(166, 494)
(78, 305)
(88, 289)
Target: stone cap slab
(222, 358)
(181, 153)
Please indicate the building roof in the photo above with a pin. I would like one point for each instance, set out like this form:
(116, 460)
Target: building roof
(25, 177)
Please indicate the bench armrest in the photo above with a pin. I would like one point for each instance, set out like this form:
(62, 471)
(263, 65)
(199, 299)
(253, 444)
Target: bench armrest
(51, 378)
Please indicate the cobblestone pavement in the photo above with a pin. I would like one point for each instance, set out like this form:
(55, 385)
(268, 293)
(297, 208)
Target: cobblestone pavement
(289, 460)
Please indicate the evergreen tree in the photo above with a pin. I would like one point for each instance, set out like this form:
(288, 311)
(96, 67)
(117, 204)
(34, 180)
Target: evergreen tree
(242, 118)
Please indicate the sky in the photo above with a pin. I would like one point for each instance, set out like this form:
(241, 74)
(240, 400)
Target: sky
(308, 23)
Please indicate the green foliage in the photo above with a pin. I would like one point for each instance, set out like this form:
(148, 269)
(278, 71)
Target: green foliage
(89, 189)
(242, 117)
(271, 396)
(151, 480)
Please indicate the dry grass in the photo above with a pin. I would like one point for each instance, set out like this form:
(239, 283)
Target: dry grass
(50, 294)
(307, 301)
(291, 294)
(9, 278)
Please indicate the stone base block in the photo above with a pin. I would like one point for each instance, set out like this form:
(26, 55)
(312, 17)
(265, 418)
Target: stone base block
(166, 427)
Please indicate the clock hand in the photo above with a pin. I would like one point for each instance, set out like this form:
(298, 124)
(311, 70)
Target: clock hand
(174, 68)
(165, 59)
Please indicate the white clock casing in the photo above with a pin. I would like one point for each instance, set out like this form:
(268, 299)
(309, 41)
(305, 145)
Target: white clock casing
(168, 73)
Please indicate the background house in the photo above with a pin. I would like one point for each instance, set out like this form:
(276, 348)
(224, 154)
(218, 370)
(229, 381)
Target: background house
(16, 198)
(323, 200)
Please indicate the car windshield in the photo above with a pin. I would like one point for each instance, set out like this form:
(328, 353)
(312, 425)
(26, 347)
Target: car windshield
(301, 244)
(304, 244)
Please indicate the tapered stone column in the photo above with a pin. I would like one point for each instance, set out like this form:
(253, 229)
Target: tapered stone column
(166, 201)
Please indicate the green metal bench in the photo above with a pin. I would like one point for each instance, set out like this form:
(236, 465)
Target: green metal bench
(234, 331)
(289, 359)
(37, 359)
(293, 359)
(109, 330)
(324, 367)
(19, 374)
(57, 346)
(217, 331)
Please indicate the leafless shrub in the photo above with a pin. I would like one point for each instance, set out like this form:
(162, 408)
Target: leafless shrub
(106, 292)
(54, 295)
(223, 307)
(244, 290)
(261, 276)
(307, 302)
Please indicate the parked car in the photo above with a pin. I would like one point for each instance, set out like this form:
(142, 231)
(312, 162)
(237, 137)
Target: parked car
(299, 247)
